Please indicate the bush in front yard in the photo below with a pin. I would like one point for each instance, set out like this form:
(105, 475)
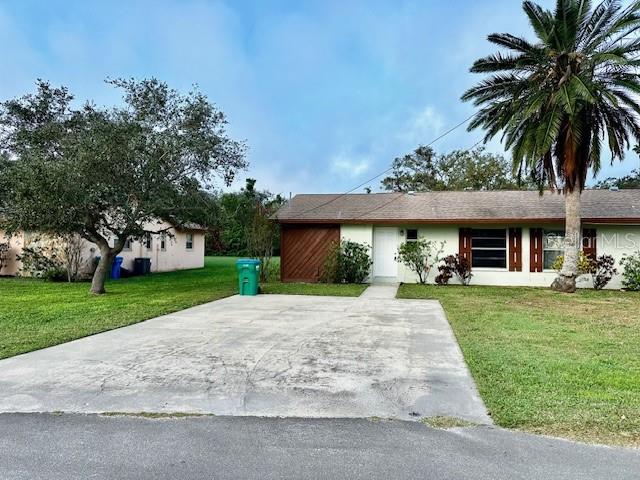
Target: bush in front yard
(454, 265)
(347, 262)
(631, 272)
(601, 269)
(585, 265)
(41, 258)
(420, 256)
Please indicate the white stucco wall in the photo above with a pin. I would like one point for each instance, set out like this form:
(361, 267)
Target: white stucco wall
(16, 243)
(615, 240)
(174, 257)
(358, 233)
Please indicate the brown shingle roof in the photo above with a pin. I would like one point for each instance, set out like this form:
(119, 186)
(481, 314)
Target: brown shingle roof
(449, 207)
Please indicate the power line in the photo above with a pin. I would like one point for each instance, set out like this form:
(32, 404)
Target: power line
(400, 195)
(455, 127)
(380, 207)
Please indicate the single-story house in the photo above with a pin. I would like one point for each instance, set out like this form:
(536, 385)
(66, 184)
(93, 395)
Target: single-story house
(510, 237)
(173, 248)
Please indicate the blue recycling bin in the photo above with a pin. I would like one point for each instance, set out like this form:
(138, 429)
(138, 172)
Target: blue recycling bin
(115, 268)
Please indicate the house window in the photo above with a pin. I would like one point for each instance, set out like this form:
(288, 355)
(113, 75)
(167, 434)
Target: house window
(489, 248)
(148, 242)
(412, 235)
(552, 247)
(127, 244)
(163, 242)
(189, 241)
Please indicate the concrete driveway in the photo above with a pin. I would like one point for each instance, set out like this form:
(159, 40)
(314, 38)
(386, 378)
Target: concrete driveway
(270, 355)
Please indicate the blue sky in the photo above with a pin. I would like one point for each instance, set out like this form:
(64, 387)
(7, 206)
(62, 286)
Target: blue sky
(326, 93)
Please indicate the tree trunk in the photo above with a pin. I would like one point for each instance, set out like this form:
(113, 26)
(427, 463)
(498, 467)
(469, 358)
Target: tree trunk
(566, 280)
(100, 275)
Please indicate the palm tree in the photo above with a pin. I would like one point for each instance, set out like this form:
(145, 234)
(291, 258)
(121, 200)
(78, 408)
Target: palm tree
(557, 101)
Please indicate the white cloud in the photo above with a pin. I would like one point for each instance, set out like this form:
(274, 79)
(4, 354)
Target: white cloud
(350, 165)
(422, 127)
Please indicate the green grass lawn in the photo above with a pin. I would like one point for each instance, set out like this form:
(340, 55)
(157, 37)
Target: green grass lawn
(35, 314)
(562, 365)
(336, 290)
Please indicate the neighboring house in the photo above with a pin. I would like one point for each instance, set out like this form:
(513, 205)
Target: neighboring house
(12, 266)
(175, 249)
(510, 237)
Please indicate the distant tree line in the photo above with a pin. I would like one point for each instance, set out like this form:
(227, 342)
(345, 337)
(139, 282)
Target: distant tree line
(628, 181)
(240, 218)
(423, 170)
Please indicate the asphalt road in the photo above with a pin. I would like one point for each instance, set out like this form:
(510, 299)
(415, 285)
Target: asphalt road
(70, 446)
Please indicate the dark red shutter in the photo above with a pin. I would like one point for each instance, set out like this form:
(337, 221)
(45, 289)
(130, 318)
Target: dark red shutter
(464, 248)
(535, 250)
(590, 243)
(515, 249)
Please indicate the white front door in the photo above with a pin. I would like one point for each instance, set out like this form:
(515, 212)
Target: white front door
(385, 244)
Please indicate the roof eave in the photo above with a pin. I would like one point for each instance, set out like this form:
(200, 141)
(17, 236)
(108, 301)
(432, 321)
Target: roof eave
(455, 221)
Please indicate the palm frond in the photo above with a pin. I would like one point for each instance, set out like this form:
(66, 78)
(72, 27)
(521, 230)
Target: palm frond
(553, 102)
(540, 20)
(600, 17)
(517, 44)
(501, 62)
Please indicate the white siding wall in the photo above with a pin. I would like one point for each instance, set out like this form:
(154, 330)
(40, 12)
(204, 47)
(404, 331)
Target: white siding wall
(174, 257)
(617, 241)
(613, 240)
(358, 233)
(15, 247)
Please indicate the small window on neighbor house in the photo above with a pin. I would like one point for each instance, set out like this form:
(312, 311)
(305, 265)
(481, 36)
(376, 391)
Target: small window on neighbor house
(552, 247)
(189, 241)
(163, 242)
(148, 242)
(412, 235)
(127, 244)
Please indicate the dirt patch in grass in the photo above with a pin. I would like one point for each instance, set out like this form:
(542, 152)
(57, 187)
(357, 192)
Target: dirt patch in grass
(445, 423)
(155, 415)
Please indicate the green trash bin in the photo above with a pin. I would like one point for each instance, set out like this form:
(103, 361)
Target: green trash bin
(248, 276)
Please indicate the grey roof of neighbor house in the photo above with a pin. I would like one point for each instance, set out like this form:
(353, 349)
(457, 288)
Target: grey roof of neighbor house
(458, 207)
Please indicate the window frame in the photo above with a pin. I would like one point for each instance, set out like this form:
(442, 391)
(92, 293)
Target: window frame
(189, 240)
(163, 242)
(545, 234)
(127, 244)
(406, 237)
(505, 248)
(148, 243)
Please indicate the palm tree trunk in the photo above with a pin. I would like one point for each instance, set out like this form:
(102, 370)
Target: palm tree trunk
(566, 279)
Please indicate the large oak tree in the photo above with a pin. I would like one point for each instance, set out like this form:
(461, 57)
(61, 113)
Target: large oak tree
(109, 173)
